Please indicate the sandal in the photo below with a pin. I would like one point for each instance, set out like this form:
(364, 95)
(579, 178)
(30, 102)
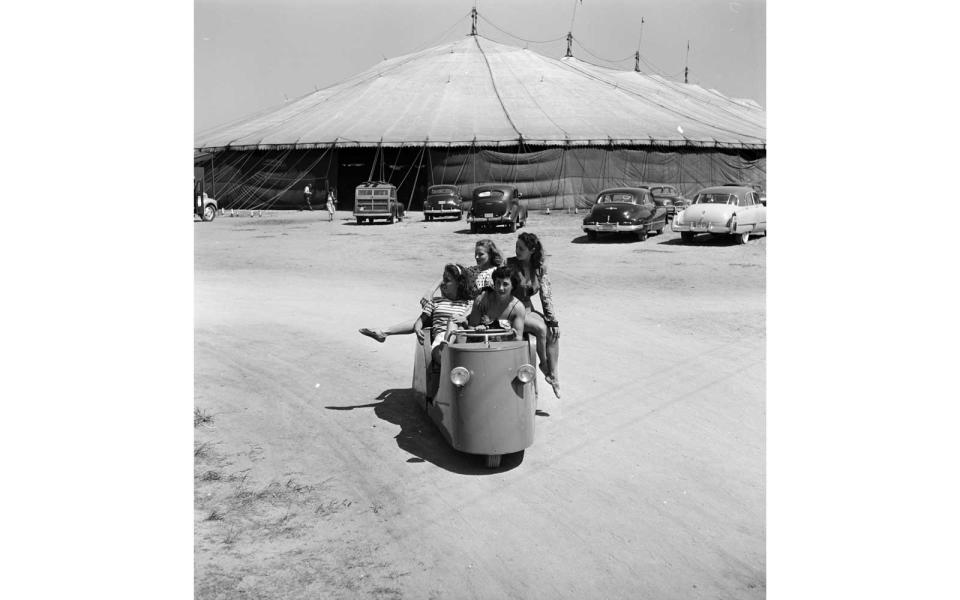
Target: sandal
(373, 333)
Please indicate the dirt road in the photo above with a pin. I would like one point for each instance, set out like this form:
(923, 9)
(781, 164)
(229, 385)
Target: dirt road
(316, 475)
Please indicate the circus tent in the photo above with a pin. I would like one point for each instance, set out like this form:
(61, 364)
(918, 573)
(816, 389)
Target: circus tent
(476, 111)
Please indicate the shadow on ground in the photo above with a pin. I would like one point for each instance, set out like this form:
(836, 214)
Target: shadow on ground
(421, 438)
(615, 238)
(707, 239)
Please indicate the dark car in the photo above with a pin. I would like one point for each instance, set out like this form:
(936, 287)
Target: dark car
(443, 201)
(625, 210)
(669, 197)
(495, 206)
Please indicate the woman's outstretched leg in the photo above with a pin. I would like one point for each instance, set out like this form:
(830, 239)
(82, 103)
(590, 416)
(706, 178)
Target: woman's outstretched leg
(402, 328)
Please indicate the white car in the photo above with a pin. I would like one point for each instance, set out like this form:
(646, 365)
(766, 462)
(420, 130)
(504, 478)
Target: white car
(726, 209)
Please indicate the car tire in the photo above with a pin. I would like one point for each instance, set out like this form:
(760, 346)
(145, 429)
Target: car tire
(393, 218)
(687, 236)
(209, 213)
(513, 226)
(474, 228)
(592, 235)
(492, 461)
(642, 235)
(359, 220)
(742, 238)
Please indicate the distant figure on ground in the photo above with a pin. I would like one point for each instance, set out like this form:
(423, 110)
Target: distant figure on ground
(308, 196)
(331, 204)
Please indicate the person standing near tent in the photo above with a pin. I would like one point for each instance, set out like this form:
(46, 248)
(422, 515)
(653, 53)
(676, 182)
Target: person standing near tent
(331, 203)
(308, 196)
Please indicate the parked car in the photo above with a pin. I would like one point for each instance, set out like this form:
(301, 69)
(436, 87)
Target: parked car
(377, 200)
(495, 206)
(443, 201)
(204, 206)
(726, 209)
(669, 196)
(628, 209)
(758, 188)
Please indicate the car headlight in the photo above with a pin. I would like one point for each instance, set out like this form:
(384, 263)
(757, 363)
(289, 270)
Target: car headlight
(526, 373)
(459, 376)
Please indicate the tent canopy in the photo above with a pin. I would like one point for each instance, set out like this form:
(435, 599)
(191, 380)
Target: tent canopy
(476, 92)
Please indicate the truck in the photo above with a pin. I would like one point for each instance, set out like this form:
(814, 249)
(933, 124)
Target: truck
(377, 200)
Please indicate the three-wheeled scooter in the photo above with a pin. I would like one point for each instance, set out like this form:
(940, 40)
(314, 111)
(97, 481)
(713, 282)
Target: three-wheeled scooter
(483, 394)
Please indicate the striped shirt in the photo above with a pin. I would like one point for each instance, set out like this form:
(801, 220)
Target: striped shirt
(440, 311)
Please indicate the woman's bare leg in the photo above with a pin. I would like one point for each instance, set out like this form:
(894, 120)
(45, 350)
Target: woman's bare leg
(402, 328)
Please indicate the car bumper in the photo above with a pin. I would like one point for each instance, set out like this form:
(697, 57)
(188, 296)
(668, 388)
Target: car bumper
(615, 227)
(372, 213)
(442, 212)
(700, 227)
(501, 219)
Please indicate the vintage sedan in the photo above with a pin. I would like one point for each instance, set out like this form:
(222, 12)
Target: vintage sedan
(443, 201)
(629, 209)
(495, 206)
(669, 196)
(726, 209)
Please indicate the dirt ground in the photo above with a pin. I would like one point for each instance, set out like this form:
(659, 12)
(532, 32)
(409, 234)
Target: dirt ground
(317, 476)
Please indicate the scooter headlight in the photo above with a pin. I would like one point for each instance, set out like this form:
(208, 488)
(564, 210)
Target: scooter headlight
(459, 376)
(526, 373)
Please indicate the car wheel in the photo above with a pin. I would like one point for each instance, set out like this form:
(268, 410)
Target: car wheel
(359, 220)
(742, 238)
(209, 212)
(493, 461)
(393, 218)
(687, 236)
(591, 235)
(642, 235)
(474, 228)
(513, 226)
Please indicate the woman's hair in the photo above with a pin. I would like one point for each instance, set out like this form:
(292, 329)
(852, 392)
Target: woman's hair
(532, 242)
(496, 257)
(506, 272)
(459, 274)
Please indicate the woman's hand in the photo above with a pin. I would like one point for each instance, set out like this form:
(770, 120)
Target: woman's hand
(554, 332)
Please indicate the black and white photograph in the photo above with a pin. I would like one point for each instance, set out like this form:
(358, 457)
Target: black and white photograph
(478, 300)
(523, 353)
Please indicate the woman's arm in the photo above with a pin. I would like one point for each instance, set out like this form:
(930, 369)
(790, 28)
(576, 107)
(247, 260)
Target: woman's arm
(546, 299)
(517, 316)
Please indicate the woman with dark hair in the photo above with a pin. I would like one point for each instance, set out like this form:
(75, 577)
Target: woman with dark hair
(488, 258)
(497, 307)
(529, 264)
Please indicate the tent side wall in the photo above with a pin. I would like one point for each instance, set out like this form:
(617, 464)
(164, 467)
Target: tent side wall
(550, 177)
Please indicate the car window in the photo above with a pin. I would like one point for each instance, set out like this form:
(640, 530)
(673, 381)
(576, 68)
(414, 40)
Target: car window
(490, 194)
(715, 198)
(754, 198)
(616, 197)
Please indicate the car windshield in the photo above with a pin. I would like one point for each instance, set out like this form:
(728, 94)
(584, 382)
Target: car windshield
(663, 191)
(715, 198)
(449, 191)
(490, 195)
(610, 198)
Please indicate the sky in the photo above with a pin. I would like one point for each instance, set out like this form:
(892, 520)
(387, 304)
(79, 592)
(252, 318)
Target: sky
(254, 54)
